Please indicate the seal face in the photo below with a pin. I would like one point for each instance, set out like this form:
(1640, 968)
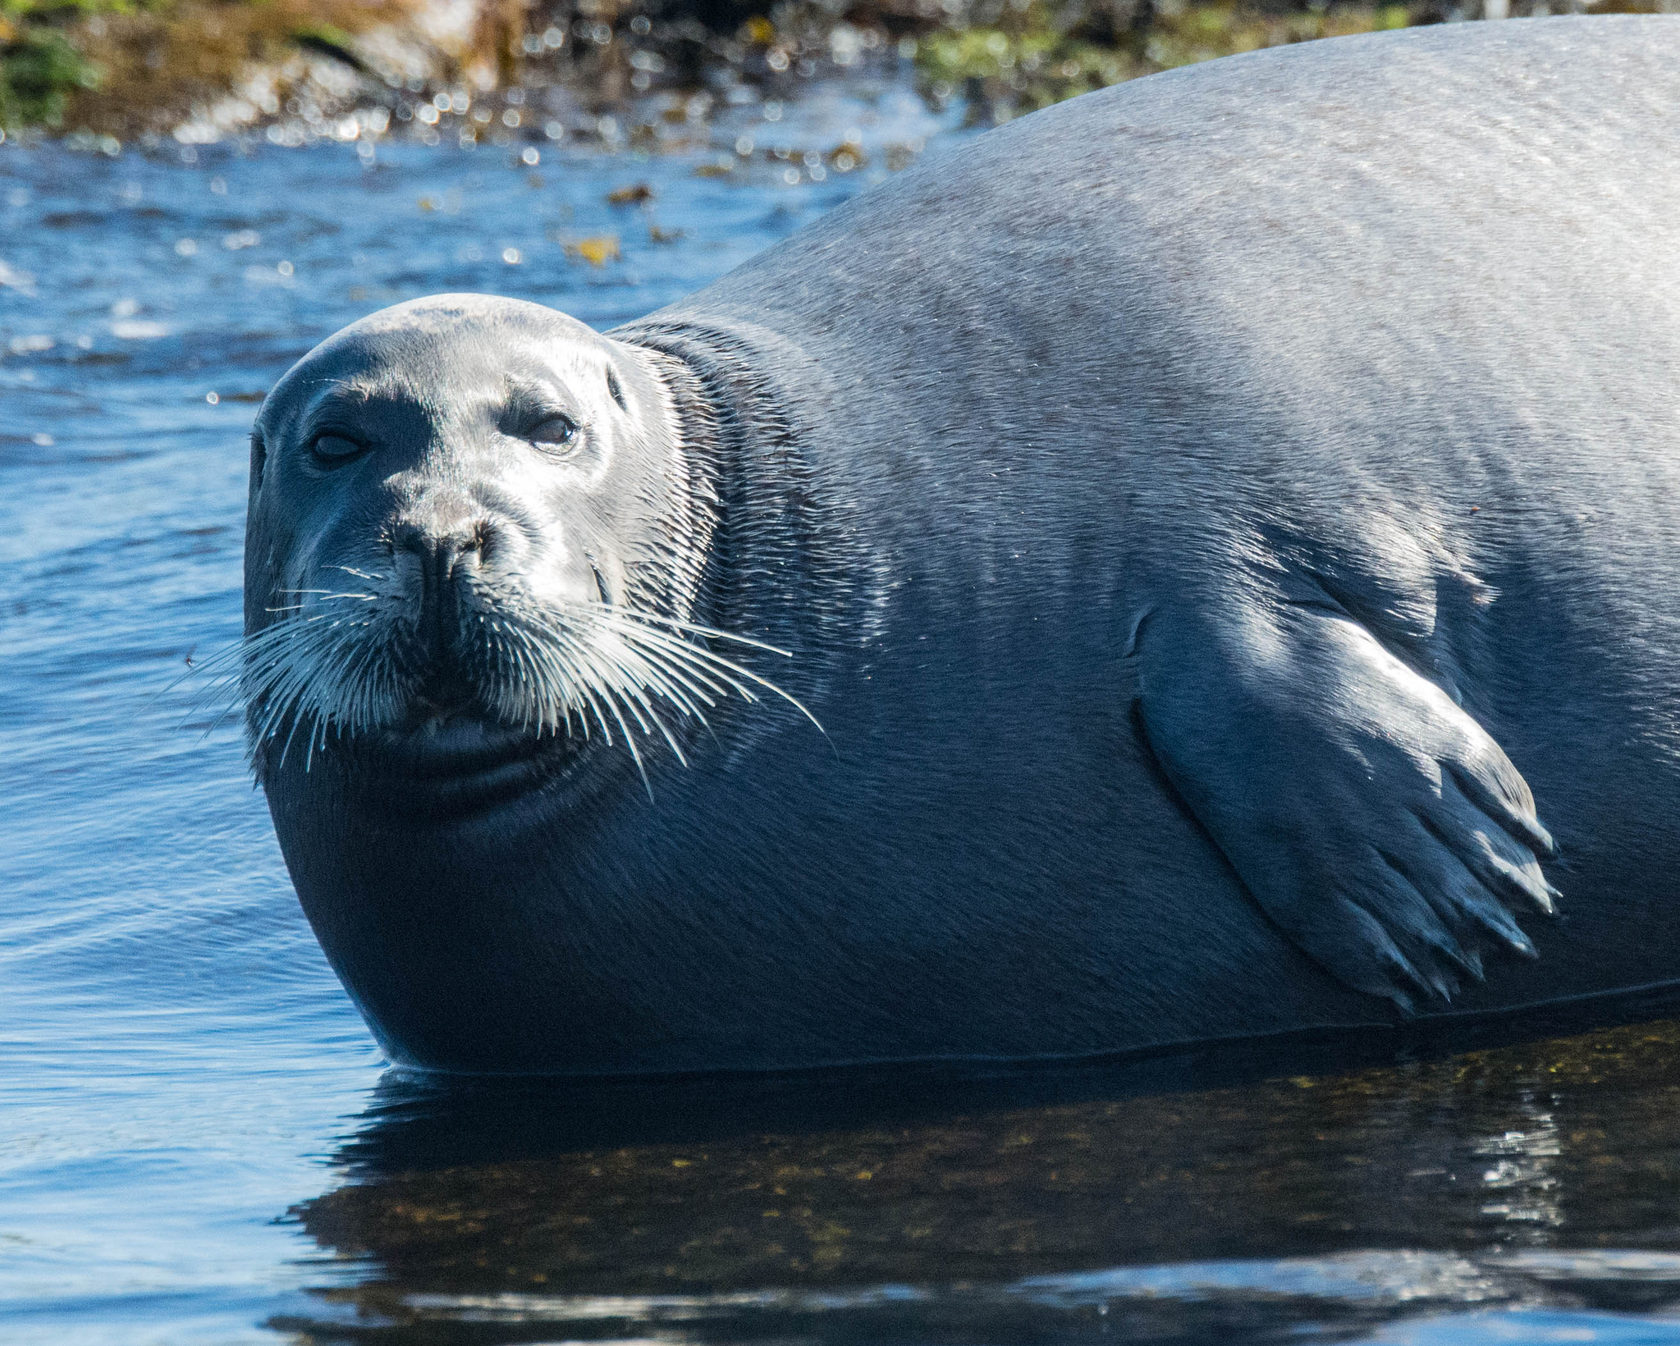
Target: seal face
(1200, 610)
(477, 533)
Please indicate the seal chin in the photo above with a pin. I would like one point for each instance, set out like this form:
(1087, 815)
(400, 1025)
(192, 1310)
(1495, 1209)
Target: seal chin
(460, 762)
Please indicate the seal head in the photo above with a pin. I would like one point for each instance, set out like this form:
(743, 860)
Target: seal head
(477, 529)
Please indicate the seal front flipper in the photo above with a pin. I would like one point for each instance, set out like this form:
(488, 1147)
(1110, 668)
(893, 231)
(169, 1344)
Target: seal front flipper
(1372, 818)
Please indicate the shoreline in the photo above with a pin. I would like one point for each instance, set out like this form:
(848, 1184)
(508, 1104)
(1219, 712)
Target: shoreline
(597, 71)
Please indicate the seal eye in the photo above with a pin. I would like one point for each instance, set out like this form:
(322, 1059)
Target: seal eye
(556, 432)
(335, 449)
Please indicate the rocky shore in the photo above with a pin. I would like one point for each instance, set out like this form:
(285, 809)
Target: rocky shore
(646, 72)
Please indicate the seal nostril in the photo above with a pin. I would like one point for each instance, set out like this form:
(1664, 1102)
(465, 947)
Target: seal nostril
(440, 554)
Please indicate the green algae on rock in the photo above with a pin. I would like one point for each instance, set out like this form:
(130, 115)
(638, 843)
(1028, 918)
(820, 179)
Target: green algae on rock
(41, 68)
(1033, 54)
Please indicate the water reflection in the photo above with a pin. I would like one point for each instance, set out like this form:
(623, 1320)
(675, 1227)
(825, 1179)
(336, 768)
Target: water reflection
(1184, 1198)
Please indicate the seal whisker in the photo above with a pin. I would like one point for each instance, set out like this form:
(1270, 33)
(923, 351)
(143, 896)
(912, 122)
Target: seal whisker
(541, 671)
(556, 683)
(626, 691)
(313, 668)
(646, 639)
(559, 658)
(286, 747)
(222, 688)
(323, 593)
(619, 681)
(280, 699)
(350, 669)
(600, 696)
(669, 684)
(677, 654)
(629, 741)
(706, 681)
(361, 673)
(539, 679)
(687, 650)
(651, 671)
(550, 681)
(231, 656)
(321, 596)
(630, 673)
(272, 657)
(514, 666)
(635, 693)
(693, 628)
(562, 664)
(635, 690)
(683, 655)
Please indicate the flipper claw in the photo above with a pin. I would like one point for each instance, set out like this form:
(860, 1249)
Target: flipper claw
(1368, 813)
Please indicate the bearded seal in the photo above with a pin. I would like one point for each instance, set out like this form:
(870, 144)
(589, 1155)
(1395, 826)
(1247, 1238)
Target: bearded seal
(1127, 583)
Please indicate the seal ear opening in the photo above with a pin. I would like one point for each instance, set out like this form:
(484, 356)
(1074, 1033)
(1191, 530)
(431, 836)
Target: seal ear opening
(259, 460)
(616, 391)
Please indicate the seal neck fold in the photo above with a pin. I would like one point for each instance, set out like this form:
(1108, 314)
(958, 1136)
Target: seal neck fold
(738, 432)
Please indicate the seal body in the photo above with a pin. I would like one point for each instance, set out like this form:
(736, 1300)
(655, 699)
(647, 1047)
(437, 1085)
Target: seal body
(1213, 522)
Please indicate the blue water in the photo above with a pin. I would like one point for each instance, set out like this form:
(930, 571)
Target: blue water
(199, 1142)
